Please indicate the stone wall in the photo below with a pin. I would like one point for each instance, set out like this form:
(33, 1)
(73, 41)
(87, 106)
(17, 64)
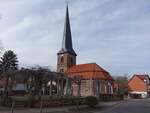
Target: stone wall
(93, 87)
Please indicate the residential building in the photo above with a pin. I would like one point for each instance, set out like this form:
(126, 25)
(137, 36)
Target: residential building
(139, 86)
(2, 86)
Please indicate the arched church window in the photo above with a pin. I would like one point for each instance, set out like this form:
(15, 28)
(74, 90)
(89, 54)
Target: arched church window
(71, 60)
(62, 60)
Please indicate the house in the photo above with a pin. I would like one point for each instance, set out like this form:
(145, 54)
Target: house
(2, 86)
(94, 80)
(18, 84)
(139, 86)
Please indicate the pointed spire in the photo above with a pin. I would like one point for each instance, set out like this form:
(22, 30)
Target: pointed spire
(67, 37)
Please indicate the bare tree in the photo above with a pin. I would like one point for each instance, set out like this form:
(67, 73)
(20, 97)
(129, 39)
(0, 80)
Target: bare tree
(122, 82)
(38, 79)
(78, 80)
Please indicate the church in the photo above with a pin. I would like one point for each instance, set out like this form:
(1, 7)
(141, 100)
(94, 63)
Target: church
(94, 79)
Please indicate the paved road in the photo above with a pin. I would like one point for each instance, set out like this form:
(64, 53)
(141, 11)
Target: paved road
(131, 106)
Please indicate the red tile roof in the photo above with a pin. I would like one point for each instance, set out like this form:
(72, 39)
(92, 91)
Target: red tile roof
(135, 85)
(91, 70)
(3, 82)
(142, 77)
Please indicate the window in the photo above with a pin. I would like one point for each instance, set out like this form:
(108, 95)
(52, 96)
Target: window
(71, 60)
(61, 70)
(62, 60)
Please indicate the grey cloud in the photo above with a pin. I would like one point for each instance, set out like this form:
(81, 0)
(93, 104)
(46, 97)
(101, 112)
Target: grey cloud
(115, 34)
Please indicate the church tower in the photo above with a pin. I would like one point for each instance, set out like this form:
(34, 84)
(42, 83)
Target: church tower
(66, 57)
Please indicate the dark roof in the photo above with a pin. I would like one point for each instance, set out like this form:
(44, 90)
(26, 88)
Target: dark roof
(67, 38)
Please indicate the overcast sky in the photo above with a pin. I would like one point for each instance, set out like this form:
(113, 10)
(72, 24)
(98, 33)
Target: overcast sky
(113, 33)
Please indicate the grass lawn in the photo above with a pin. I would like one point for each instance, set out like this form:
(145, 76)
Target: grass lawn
(4, 108)
(47, 97)
(25, 98)
(20, 98)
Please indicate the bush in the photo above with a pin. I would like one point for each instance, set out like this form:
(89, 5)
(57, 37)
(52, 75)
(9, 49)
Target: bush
(91, 101)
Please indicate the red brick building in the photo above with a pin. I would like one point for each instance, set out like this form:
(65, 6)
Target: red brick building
(139, 86)
(95, 80)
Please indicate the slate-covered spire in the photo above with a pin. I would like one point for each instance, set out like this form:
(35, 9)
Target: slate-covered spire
(67, 38)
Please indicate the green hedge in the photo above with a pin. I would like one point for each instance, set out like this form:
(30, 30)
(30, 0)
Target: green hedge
(91, 101)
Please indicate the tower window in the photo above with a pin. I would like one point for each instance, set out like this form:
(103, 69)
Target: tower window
(61, 70)
(71, 60)
(62, 60)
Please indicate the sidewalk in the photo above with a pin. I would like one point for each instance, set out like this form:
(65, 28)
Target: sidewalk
(67, 109)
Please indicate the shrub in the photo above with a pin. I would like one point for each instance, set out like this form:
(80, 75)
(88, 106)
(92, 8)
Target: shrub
(91, 101)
